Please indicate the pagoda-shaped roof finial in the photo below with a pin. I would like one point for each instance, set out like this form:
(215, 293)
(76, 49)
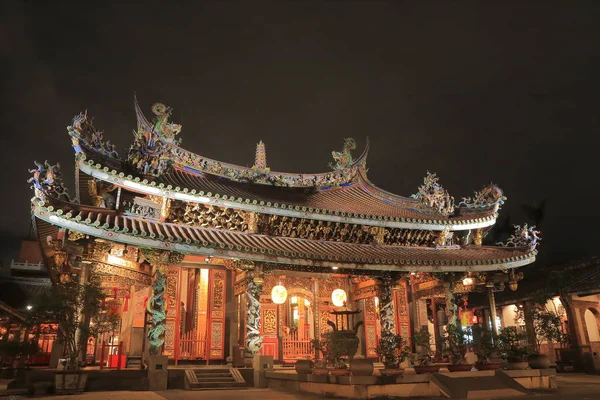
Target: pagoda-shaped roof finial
(260, 158)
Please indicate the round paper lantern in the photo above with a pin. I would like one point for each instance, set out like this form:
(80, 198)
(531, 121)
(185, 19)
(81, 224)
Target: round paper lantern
(278, 294)
(338, 297)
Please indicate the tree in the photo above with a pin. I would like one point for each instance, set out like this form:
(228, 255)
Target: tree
(546, 324)
(65, 304)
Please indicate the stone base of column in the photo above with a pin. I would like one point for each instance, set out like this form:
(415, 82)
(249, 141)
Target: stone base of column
(158, 375)
(261, 364)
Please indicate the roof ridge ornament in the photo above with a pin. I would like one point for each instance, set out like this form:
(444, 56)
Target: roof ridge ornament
(433, 196)
(489, 196)
(150, 151)
(84, 133)
(343, 159)
(523, 236)
(47, 181)
(162, 126)
(260, 157)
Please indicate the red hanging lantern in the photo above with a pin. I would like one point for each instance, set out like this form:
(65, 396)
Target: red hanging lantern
(126, 305)
(116, 290)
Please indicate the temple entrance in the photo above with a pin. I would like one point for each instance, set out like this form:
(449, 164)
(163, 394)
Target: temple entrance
(298, 327)
(193, 311)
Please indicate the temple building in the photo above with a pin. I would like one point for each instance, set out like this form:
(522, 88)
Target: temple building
(207, 260)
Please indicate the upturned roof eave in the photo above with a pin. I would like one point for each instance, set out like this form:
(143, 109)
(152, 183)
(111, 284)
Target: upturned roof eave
(143, 186)
(222, 249)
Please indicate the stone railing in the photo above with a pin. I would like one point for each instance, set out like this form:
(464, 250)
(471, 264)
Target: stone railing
(27, 266)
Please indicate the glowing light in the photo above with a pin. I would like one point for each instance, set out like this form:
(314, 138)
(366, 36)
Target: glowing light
(294, 300)
(306, 303)
(116, 260)
(468, 281)
(338, 297)
(466, 318)
(279, 294)
(29, 308)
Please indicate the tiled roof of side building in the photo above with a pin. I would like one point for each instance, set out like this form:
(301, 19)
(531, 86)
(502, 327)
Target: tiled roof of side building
(75, 217)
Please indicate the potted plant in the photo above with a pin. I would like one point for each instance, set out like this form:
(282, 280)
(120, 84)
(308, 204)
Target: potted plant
(339, 345)
(320, 367)
(485, 350)
(335, 346)
(422, 360)
(304, 366)
(319, 364)
(392, 350)
(455, 348)
(512, 351)
(65, 303)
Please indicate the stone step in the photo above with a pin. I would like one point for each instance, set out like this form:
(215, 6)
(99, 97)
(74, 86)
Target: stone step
(219, 388)
(202, 373)
(216, 385)
(219, 379)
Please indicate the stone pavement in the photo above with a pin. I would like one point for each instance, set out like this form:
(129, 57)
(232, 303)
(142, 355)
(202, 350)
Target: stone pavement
(571, 387)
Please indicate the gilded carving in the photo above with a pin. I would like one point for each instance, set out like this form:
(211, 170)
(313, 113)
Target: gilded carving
(126, 273)
(217, 293)
(327, 286)
(99, 192)
(402, 300)
(111, 281)
(364, 293)
(172, 278)
(269, 322)
(75, 236)
(478, 237)
(278, 225)
(323, 318)
(209, 216)
(289, 282)
(370, 306)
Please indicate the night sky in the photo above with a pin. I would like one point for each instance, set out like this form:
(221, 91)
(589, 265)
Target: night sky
(476, 92)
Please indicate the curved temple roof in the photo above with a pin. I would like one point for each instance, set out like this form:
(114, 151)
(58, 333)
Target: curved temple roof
(144, 232)
(343, 194)
(156, 165)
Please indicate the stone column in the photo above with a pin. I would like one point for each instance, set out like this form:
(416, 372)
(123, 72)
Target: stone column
(157, 363)
(386, 305)
(160, 260)
(253, 340)
(492, 300)
(451, 306)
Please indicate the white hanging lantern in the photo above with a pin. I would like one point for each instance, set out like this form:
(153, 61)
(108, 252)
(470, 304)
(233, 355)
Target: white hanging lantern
(279, 294)
(338, 297)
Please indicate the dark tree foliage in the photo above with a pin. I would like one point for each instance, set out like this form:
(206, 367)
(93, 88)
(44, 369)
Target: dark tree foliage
(65, 304)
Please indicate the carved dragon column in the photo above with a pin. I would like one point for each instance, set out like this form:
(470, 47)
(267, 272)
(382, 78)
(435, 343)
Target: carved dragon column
(253, 340)
(451, 305)
(386, 305)
(160, 260)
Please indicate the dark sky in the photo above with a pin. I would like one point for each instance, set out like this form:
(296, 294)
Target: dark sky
(477, 92)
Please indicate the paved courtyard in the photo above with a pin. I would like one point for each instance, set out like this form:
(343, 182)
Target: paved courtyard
(572, 386)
